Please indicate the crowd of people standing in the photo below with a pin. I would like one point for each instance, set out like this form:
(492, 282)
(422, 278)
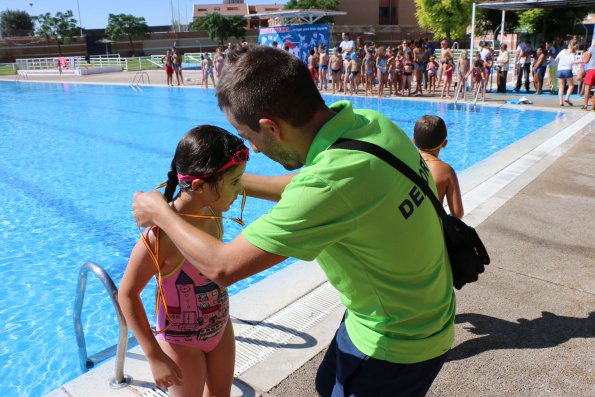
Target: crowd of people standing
(415, 68)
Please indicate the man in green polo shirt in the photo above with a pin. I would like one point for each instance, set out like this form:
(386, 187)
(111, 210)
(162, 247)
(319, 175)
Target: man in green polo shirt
(376, 236)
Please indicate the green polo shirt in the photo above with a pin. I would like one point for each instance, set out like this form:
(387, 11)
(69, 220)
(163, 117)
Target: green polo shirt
(375, 235)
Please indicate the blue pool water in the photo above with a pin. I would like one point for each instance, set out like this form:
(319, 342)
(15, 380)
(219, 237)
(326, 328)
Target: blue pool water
(70, 160)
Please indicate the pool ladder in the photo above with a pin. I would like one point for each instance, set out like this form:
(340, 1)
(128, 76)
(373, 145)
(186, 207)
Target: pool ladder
(120, 380)
(139, 78)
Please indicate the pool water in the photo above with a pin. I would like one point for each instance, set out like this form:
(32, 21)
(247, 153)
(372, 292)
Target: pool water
(71, 158)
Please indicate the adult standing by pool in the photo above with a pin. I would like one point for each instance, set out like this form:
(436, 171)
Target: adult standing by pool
(565, 60)
(347, 45)
(371, 229)
(502, 63)
(218, 61)
(523, 63)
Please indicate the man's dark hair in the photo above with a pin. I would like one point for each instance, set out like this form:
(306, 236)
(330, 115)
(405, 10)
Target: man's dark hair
(262, 82)
(429, 132)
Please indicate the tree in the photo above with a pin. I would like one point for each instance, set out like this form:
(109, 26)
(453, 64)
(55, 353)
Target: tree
(446, 18)
(125, 24)
(553, 22)
(488, 21)
(220, 27)
(15, 23)
(60, 27)
(318, 4)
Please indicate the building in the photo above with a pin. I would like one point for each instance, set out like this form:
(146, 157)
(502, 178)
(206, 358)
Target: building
(237, 7)
(383, 21)
(378, 12)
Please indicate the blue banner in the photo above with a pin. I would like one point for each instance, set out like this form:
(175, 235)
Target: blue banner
(299, 38)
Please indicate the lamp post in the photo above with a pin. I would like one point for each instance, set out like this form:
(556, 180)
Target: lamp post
(80, 20)
(173, 22)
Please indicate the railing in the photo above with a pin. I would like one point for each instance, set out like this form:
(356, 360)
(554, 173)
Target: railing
(120, 380)
(71, 62)
(21, 76)
(139, 78)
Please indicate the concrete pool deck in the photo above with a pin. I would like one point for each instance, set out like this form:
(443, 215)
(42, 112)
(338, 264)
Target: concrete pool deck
(527, 328)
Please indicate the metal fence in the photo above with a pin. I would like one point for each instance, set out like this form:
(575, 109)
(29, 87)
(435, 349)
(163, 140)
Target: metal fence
(71, 62)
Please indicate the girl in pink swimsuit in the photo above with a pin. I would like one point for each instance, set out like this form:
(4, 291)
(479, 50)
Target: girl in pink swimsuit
(194, 349)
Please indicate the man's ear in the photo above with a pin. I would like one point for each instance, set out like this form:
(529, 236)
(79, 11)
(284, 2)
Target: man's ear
(444, 143)
(270, 127)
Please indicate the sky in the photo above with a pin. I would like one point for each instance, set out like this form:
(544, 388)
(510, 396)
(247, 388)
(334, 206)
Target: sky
(94, 13)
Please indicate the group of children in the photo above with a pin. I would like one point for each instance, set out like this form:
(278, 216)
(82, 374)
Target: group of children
(193, 352)
(376, 69)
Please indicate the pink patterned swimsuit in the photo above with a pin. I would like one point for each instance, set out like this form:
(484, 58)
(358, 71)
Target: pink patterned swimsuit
(198, 308)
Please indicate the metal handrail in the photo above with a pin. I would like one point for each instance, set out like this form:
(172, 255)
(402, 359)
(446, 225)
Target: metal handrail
(120, 380)
(140, 77)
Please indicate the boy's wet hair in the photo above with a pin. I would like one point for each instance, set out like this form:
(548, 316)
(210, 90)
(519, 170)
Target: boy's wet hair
(203, 150)
(262, 82)
(429, 132)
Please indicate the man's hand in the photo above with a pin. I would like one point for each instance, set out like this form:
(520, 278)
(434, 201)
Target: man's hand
(147, 206)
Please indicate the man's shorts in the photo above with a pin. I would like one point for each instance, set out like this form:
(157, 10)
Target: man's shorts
(345, 371)
(564, 74)
(590, 77)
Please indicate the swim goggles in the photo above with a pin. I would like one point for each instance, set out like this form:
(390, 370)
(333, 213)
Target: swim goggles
(239, 157)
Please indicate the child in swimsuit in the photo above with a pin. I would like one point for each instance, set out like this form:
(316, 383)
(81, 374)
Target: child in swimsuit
(432, 74)
(390, 64)
(429, 135)
(369, 70)
(207, 71)
(398, 80)
(449, 68)
(193, 327)
(168, 61)
(355, 65)
(463, 66)
(346, 72)
(407, 72)
(336, 69)
(382, 67)
(323, 67)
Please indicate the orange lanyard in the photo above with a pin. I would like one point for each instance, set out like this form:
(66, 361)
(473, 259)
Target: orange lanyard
(160, 297)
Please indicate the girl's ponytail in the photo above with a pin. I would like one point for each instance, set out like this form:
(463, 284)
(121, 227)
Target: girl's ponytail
(172, 182)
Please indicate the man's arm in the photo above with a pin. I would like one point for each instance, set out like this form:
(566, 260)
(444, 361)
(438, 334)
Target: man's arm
(222, 263)
(266, 187)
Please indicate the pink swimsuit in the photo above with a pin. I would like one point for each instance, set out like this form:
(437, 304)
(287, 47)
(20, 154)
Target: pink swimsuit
(198, 308)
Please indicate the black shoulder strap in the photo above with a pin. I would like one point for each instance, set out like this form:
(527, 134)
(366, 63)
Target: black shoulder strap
(383, 154)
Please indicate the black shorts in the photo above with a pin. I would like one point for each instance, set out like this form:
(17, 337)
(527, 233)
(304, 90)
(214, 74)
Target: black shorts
(345, 371)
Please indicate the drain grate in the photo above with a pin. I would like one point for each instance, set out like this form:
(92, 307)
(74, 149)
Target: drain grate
(154, 392)
(275, 331)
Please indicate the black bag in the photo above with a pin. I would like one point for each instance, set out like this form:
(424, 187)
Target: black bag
(466, 252)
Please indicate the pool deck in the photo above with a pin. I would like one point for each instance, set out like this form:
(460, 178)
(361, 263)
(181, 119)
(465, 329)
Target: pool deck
(527, 328)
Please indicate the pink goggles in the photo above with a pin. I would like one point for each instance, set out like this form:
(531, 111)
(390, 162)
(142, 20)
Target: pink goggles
(239, 157)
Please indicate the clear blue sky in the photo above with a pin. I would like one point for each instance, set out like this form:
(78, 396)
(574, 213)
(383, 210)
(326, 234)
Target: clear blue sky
(94, 13)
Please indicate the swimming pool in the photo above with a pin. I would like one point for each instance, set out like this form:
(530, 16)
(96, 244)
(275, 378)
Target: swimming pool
(71, 158)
